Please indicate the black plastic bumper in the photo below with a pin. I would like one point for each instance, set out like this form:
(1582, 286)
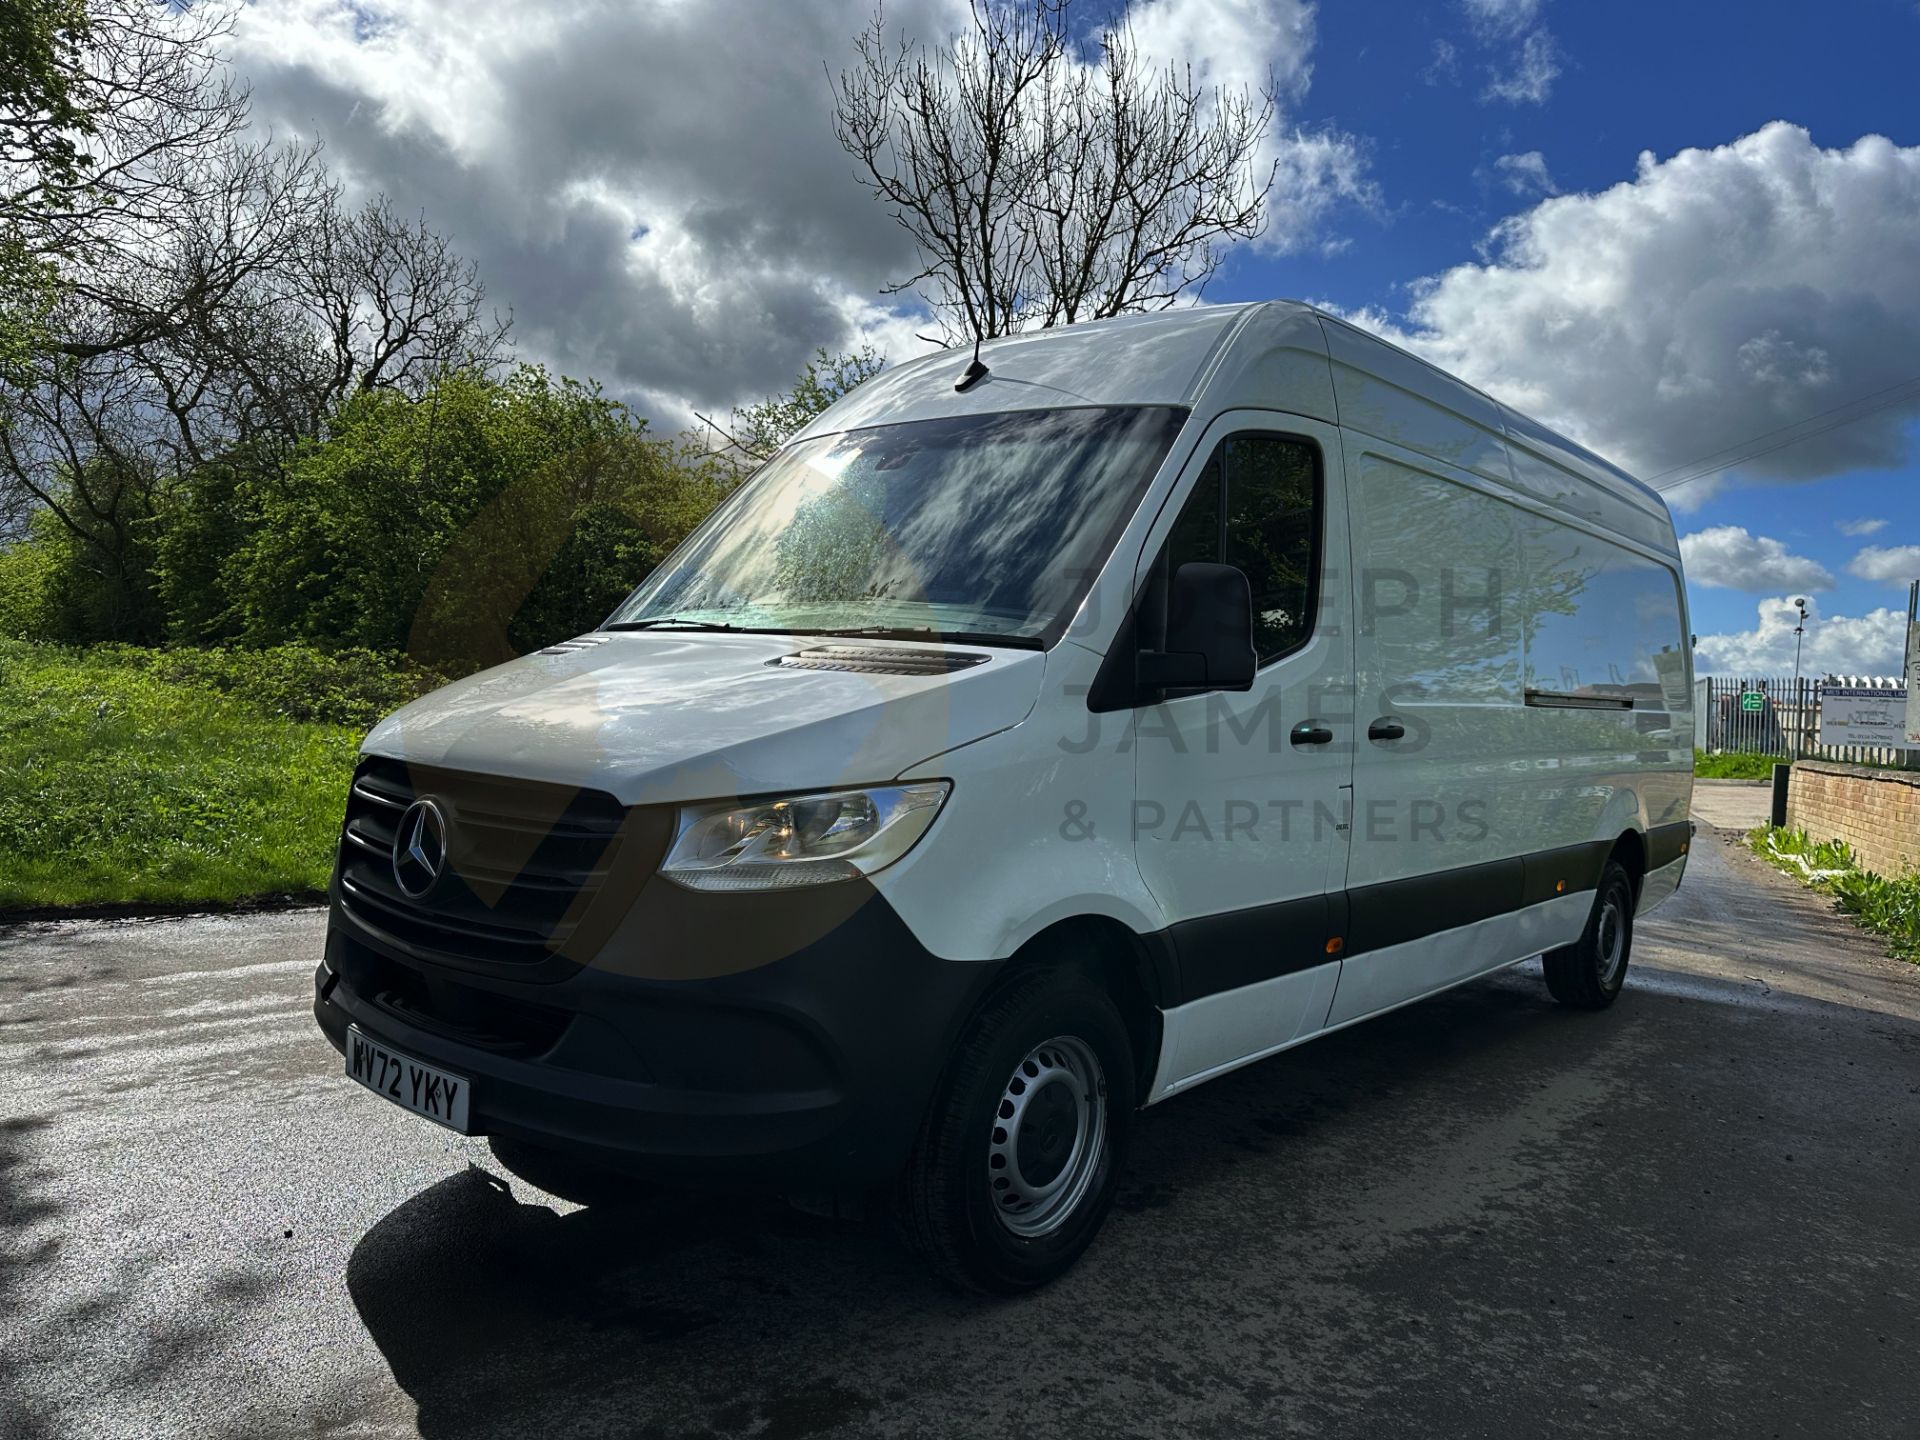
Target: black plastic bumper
(812, 1067)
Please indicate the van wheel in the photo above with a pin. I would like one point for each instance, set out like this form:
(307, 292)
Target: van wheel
(1588, 974)
(1016, 1164)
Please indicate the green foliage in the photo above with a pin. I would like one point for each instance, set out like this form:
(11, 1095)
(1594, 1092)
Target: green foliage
(433, 526)
(90, 577)
(1733, 766)
(290, 682)
(763, 428)
(28, 287)
(43, 96)
(28, 573)
(43, 120)
(118, 785)
(480, 520)
(198, 549)
(1886, 907)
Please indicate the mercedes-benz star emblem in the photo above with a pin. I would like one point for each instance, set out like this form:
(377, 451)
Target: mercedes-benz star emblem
(419, 848)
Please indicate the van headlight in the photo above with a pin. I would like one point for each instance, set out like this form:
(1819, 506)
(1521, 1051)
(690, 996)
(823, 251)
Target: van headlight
(800, 839)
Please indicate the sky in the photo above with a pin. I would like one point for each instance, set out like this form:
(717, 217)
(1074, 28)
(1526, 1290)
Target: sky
(1688, 235)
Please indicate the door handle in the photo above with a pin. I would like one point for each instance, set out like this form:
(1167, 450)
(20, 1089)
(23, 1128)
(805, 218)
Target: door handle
(1311, 732)
(1386, 729)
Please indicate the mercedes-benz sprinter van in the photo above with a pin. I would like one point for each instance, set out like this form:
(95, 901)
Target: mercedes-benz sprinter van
(1028, 742)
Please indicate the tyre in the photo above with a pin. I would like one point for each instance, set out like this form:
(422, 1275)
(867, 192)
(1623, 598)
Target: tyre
(1015, 1167)
(1588, 974)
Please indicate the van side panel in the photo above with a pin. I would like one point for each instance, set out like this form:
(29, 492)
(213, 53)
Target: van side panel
(1605, 623)
(1388, 394)
(1579, 484)
(1494, 561)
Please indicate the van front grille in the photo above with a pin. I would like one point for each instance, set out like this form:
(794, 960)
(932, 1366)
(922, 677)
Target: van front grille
(523, 861)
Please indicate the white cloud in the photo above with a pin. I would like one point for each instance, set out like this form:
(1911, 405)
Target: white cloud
(1857, 529)
(1501, 17)
(1888, 564)
(1256, 45)
(1444, 68)
(1729, 558)
(1234, 43)
(1527, 77)
(1870, 644)
(1526, 174)
(653, 187)
(1522, 60)
(1719, 296)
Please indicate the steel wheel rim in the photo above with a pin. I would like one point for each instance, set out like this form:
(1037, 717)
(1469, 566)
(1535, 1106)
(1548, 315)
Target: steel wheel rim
(1048, 1137)
(1612, 940)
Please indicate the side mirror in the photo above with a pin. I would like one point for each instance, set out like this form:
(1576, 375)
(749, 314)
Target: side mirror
(1209, 632)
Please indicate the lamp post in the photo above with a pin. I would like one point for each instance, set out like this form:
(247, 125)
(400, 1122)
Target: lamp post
(1799, 700)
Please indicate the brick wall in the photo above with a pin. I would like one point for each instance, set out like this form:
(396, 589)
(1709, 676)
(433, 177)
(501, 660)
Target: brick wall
(1877, 812)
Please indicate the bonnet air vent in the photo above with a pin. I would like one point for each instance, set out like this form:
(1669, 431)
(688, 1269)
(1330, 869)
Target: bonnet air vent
(572, 647)
(872, 660)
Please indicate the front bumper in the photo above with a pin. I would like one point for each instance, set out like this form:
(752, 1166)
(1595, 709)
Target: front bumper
(813, 1067)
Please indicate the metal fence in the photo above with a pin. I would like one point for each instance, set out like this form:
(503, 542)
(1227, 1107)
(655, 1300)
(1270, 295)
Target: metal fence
(1777, 715)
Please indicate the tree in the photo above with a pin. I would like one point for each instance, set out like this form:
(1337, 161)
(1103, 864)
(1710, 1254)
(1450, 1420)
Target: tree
(1041, 187)
(762, 428)
(208, 293)
(482, 519)
(44, 116)
(43, 121)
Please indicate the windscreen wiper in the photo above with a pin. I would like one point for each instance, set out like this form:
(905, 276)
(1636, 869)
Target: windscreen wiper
(666, 620)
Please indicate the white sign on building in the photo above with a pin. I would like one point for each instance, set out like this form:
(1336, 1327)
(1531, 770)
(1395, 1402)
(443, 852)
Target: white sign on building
(1855, 715)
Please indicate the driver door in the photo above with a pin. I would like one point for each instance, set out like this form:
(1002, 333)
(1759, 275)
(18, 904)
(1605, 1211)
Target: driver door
(1242, 802)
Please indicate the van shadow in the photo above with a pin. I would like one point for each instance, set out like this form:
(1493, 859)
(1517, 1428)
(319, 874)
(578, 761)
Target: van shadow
(707, 1315)
(1409, 1178)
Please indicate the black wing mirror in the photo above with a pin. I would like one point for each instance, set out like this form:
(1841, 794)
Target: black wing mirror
(1209, 632)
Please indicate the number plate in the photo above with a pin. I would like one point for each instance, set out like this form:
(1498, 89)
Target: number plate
(441, 1097)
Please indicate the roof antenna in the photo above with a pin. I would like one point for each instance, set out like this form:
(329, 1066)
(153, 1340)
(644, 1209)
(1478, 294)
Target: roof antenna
(975, 372)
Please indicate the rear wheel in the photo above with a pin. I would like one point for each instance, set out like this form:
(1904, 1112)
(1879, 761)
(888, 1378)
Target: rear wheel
(1015, 1167)
(1588, 974)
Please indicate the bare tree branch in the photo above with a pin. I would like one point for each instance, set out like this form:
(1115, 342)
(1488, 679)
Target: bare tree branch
(213, 290)
(1044, 187)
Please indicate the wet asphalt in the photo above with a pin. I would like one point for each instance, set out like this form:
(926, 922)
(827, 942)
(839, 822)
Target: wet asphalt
(1697, 1214)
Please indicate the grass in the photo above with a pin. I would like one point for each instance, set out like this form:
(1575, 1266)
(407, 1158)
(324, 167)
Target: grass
(1733, 766)
(1890, 908)
(120, 786)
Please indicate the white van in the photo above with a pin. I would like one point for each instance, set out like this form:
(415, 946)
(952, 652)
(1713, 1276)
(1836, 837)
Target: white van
(1028, 742)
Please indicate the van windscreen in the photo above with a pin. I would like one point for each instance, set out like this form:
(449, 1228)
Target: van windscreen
(985, 526)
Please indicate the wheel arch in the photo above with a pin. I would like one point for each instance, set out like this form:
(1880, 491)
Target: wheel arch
(1631, 851)
(1135, 969)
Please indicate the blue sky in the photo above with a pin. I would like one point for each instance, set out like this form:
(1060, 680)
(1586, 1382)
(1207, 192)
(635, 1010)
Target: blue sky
(1632, 77)
(1662, 228)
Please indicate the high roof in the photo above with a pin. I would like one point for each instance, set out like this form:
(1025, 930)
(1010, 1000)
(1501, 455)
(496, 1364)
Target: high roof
(1280, 354)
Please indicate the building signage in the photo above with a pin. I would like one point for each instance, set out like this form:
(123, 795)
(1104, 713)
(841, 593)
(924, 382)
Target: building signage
(1854, 715)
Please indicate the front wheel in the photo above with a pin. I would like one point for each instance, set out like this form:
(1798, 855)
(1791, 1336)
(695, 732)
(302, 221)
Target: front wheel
(1015, 1167)
(1588, 974)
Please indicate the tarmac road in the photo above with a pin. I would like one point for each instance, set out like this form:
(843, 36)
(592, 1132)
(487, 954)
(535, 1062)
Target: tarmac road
(1696, 1214)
